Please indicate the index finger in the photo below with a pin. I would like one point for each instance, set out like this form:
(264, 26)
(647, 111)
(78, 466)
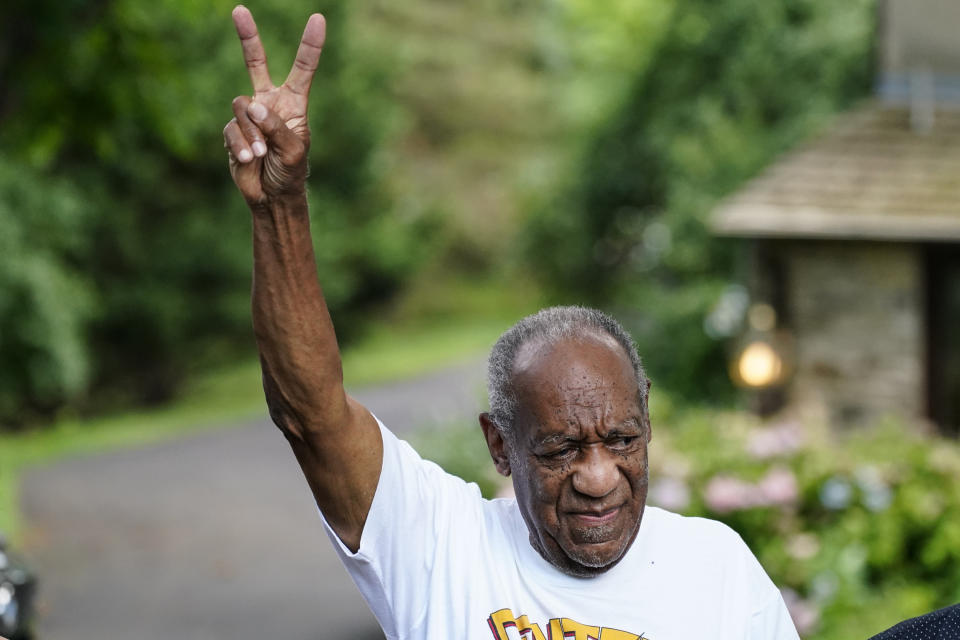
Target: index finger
(308, 54)
(253, 54)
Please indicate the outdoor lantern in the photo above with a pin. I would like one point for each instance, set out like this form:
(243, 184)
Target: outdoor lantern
(761, 360)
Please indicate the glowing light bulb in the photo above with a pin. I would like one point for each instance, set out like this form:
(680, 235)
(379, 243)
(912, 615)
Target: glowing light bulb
(759, 365)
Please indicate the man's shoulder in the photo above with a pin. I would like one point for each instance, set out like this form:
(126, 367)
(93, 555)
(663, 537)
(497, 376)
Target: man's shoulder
(405, 475)
(708, 553)
(690, 540)
(667, 524)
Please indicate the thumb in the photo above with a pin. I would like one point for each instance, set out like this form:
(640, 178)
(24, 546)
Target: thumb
(285, 142)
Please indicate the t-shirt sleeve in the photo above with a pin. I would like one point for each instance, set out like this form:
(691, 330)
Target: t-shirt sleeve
(772, 621)
(753, 606)
(410, 512)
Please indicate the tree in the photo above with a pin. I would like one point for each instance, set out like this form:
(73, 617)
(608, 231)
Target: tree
(115, 182)
(729, 85)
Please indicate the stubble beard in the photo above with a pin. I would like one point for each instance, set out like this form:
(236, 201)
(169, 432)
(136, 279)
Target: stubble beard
(584, 563)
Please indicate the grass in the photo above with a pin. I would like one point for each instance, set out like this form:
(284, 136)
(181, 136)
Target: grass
(407, 343)
(390, 355)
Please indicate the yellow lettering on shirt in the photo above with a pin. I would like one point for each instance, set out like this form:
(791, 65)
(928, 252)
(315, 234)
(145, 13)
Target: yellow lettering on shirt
(580, 631)
(500, 620)
(557, 629)
(615, 634)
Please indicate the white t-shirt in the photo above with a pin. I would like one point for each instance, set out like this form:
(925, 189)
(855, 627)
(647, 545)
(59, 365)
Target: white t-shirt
(438, 561)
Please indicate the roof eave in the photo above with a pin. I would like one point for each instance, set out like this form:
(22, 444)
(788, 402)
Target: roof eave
(760, 221)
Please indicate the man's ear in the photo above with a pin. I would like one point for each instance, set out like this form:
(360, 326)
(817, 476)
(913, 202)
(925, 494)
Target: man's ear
(495, 444)
(647, 403)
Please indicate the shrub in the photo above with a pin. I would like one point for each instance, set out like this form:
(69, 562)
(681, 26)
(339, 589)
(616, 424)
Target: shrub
(44, 303)
(859, 529)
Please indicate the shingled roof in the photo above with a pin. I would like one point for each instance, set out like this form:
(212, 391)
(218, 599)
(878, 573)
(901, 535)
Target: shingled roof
(868, 177)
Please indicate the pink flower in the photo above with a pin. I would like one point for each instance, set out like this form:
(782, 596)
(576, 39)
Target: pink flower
(779, 487)
(803, 546)
(724, 494)
(670, 493)
(778, 440)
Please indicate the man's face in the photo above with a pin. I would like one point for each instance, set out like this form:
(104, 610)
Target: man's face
(578, 452)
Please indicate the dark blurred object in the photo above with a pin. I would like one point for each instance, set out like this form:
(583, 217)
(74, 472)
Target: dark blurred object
(17, 588)
(942, 624)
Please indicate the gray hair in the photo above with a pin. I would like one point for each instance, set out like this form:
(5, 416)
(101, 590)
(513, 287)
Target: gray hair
(550, 326)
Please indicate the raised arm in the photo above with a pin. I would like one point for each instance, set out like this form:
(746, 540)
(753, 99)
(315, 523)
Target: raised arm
(335, 439)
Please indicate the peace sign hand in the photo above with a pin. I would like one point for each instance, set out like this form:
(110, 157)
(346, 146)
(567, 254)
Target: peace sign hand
(268, 139)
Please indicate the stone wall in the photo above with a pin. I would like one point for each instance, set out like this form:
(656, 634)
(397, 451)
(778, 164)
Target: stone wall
(920, 34)
(856, 311)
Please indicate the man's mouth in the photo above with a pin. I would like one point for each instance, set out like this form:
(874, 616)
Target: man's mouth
(595, 518)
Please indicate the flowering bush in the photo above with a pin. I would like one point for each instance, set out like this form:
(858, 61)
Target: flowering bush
(860, 529)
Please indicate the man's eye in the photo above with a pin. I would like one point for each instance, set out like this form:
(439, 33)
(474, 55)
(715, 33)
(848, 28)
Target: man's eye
(562, 454)
(623, 442)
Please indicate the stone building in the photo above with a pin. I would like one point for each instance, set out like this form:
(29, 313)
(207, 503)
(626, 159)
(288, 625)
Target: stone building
(856, 236)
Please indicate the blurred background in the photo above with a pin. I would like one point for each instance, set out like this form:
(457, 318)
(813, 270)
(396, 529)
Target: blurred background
(765, 192)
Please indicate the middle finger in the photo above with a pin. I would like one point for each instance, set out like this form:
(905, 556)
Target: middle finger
(253, 54)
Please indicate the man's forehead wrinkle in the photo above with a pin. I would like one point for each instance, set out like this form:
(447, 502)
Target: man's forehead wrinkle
(580, 421)
(553, 438)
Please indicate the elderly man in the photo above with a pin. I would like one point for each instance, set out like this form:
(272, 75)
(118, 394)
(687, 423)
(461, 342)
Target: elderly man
(576, 555)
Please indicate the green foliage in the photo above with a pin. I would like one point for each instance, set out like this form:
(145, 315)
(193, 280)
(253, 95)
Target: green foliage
(599, 50)
(729, 85)
(859, 528)
(129, 258)
(44, 305)
(480, 121)
(461, 451)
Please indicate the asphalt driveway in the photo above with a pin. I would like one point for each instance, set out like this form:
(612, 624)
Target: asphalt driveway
(207, 537)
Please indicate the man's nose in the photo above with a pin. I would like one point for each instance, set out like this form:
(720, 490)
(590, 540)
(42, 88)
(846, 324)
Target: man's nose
(596, 473)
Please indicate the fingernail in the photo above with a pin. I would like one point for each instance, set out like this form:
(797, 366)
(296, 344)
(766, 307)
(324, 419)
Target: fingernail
(245, 156)
(257, 111)
(259, 149)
